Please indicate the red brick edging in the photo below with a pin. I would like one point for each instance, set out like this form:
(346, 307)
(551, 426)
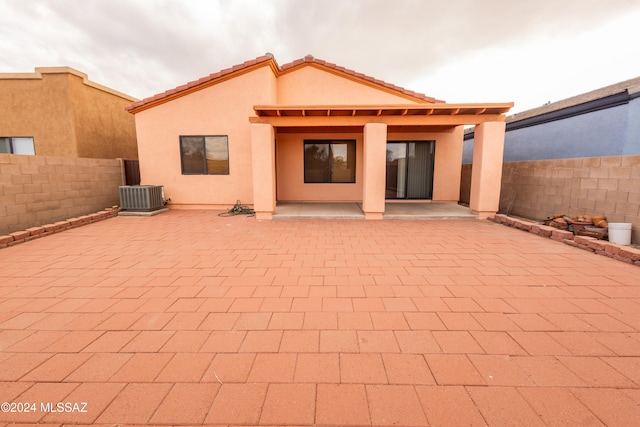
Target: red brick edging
(626, 254)
(47, 229)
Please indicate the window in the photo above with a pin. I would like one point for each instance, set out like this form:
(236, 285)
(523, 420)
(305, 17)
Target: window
(204, 155)
(17, 145)
(329, 161)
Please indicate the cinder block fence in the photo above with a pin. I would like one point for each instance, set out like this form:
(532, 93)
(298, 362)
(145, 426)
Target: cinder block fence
(39, 190)
(536, 189)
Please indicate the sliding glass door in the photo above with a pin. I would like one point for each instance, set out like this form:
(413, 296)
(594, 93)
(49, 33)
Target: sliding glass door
(410, 169)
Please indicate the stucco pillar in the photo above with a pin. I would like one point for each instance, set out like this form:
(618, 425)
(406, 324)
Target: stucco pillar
(486, 173)
(263, 155)
(374, 173)
(447, 172)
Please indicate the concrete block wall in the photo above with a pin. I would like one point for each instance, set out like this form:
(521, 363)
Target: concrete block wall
(608, 186)
(38, 190)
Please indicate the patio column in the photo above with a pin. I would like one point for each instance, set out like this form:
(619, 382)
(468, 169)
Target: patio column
(374, 165)
(263, 155)
(447, 172)
(486, 174)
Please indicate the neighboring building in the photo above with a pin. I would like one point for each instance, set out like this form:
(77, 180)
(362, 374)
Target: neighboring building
(312, 131)
(603, 122)
(577, 156)
(58, 112)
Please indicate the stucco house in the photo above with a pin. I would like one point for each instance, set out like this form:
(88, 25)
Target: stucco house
(311, 131)
(58, 111)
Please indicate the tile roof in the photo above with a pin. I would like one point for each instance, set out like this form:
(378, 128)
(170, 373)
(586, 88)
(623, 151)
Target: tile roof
(268, 59)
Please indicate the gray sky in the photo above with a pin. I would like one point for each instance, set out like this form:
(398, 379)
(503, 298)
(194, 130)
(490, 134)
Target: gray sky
(525, 51)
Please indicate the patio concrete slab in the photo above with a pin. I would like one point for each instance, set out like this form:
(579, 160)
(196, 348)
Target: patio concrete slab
(393, 210)
(427, 211)
(195, 319)
(317, 210)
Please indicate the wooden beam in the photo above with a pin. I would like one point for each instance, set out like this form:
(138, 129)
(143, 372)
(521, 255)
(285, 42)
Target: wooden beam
(408, 120)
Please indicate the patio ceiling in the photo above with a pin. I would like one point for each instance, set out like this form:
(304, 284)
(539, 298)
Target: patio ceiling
(439, 113)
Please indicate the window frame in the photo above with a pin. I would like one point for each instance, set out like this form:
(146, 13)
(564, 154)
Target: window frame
(329, 142)
(12, 149)
(204, 158)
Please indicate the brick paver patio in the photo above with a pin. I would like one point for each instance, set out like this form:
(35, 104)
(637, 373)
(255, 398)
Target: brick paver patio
(189, 318)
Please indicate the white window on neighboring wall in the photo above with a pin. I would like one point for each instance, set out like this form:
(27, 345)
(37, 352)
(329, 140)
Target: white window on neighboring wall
(17, 145)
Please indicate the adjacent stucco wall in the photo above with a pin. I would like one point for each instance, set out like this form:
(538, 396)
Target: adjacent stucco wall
(38, 190)
(608, 186)
(222, 109)
(601, 133)
(66, 114)
(632, 143)
(103, 128)
(39, 106)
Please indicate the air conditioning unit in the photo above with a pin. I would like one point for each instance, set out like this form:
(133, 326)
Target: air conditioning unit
(141, 198)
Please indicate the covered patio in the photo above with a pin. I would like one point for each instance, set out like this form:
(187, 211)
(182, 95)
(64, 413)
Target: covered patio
(278, 134)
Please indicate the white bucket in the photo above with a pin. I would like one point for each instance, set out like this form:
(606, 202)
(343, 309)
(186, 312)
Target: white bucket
(620, 233)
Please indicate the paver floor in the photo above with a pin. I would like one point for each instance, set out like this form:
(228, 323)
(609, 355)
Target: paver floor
(194, 319)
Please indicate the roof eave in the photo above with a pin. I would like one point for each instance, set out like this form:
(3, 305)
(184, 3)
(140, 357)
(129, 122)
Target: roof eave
(203, 83)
